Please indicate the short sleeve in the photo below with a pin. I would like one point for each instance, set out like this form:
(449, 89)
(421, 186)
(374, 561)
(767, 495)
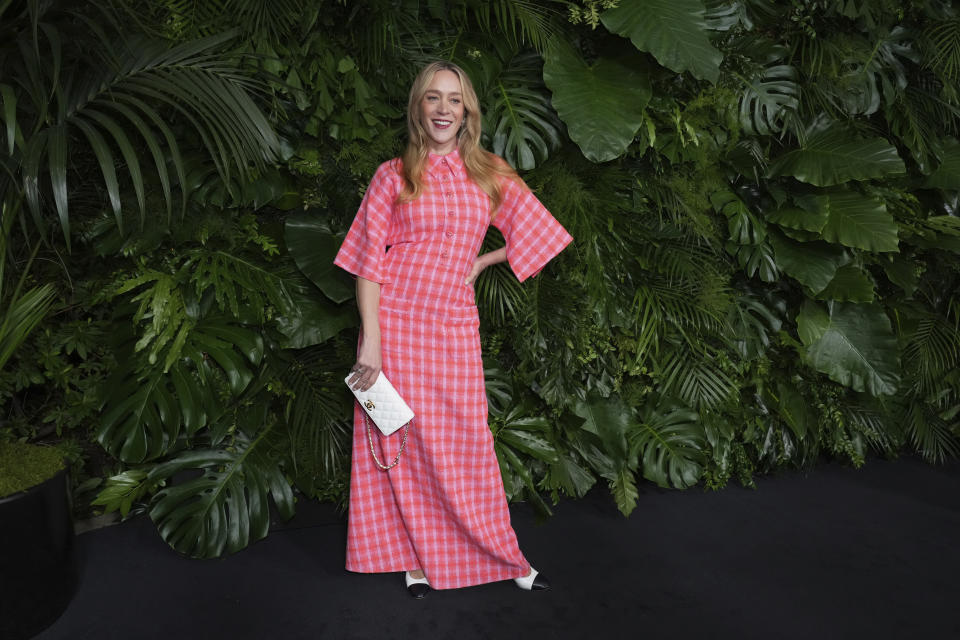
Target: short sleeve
(363, 249)
(533, 236)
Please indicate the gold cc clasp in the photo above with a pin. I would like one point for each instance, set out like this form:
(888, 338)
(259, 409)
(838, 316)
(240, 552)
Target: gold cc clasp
(369, 404)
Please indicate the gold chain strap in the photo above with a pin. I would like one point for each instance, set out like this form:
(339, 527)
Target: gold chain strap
(403, 444)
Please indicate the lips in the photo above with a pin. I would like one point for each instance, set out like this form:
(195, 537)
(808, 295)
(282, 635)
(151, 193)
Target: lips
(442, 124)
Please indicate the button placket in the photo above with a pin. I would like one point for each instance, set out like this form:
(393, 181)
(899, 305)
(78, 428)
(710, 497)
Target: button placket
(447, 220)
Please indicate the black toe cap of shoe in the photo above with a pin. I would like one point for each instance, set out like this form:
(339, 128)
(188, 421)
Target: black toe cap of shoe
(540, 583)
(419, 590)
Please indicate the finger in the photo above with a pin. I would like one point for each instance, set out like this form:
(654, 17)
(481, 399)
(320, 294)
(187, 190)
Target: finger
(370, 379)
(355, 380)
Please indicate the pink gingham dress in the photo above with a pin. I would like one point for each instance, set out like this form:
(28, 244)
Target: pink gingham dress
(442, 509)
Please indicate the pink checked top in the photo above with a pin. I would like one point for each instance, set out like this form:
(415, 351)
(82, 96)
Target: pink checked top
(442, 509)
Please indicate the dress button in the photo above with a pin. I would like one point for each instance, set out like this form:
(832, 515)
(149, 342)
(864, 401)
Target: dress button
(450, 194)
(449, 234)
(444, 254)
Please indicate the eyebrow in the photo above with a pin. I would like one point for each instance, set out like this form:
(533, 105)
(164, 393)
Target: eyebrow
(452, 93)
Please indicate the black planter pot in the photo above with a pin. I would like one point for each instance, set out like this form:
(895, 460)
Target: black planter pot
(38, 566)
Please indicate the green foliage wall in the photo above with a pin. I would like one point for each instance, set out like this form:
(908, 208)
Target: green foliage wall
(763, 198)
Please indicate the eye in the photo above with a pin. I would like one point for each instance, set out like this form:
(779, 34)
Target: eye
(455, 101)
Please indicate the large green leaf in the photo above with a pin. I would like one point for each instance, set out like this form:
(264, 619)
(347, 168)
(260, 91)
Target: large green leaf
(810, 215)
(796, 411)
(673, 31)
(312, 319)
(860, 221)
(672, 444)
(947, 175)
(147, 405)
(901, 271)
(313, 247)
(567, 474)
(766, 100)
(853, 344)
(833, 154)
(850, 284)
(813, 264)
(523, 128)
(226, 507)
(602, 104)
(609, 421)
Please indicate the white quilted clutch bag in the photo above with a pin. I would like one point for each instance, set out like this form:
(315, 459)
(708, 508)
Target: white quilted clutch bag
(383, 404)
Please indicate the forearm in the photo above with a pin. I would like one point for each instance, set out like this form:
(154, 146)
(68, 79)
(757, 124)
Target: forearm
(493, 257)
(368, 302)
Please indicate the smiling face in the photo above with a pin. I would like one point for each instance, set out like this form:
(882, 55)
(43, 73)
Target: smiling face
(442, 112)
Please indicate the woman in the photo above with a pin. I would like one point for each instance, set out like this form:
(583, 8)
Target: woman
(440, 514)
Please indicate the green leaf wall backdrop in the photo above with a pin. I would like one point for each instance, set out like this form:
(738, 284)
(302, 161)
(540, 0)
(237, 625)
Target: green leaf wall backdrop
(763, 198)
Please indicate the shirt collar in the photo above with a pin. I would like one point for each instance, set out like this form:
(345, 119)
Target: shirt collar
(450, 163)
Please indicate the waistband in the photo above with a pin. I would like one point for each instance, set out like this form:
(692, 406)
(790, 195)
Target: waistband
(445, 315)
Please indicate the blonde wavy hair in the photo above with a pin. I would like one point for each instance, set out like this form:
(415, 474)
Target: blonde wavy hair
(483, 167)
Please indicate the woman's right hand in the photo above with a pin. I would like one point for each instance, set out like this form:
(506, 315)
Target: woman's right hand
(369, 363)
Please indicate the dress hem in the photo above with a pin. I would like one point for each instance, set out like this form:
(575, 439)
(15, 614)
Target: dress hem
(462, 585)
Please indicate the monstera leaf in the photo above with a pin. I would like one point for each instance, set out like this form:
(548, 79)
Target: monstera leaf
(227, 506)
(146, 408)
(767, 99)
(672, 445)
(673, 31)
(525, 130)
(602, 104)
(852, 343)
(834, 154)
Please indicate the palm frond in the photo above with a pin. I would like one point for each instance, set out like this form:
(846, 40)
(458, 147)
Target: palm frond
(123, 88)
(20, 317)
(663, 305)
(943, 40)
(931, 435)
(316, 411)
(499, 295)
(697, 379)
(884, 433)
(932, 350)
(522, 21)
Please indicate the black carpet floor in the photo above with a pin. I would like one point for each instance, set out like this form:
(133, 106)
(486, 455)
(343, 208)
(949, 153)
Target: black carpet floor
(830, 553)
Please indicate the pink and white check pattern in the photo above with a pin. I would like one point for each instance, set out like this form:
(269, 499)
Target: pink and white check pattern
(443, 508)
